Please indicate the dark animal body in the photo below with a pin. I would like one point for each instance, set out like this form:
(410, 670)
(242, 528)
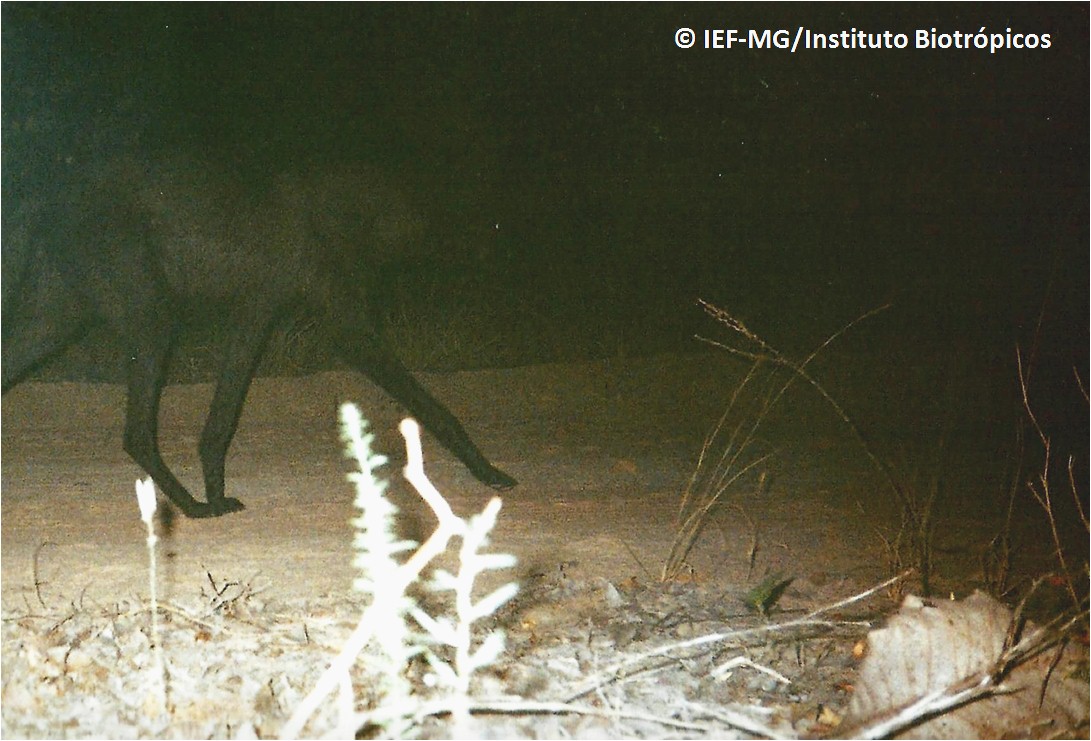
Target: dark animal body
(141, 248)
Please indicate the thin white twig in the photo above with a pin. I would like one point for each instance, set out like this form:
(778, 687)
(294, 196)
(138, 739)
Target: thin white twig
(527, 707)
(723, 671)
(735, 719)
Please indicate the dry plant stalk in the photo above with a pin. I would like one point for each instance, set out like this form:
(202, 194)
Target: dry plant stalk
(1040, 488)
(706, 487)
(913, 544)
(145, 498)
(996, 561)
(705, 491)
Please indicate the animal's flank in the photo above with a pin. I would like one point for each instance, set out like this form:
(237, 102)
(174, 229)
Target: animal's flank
(140, 247)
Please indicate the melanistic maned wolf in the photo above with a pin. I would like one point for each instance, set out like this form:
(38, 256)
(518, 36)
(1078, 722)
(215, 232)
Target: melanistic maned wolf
(140, 247)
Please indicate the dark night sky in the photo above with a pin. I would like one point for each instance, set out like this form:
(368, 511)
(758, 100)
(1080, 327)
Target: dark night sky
(583, 168)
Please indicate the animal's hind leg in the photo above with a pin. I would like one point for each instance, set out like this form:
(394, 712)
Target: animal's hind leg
(147, 371)
(369, 357)
(237, 371)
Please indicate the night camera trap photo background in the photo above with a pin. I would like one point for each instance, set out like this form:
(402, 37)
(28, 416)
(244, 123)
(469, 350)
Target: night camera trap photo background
(782, 349)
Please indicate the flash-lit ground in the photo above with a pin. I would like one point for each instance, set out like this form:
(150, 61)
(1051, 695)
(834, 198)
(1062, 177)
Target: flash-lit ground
(602, 451)
(581, 182)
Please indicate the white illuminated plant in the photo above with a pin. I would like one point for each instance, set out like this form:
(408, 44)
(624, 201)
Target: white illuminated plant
(386, 577)
(458, 635)
(145, 499)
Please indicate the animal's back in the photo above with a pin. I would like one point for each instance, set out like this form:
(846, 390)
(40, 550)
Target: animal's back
(204, 233)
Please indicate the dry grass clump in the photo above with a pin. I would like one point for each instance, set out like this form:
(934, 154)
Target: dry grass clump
(730, 451)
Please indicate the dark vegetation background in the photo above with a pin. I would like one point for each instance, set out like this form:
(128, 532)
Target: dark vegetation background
(584, 180)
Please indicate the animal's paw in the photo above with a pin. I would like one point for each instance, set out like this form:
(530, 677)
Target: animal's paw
(497, 479)
(215, 508)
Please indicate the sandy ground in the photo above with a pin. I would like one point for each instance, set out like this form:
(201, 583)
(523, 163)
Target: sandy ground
(258, 601)
(602, 451)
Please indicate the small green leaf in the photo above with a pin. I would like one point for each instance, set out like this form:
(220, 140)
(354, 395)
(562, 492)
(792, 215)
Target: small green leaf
(765, 596)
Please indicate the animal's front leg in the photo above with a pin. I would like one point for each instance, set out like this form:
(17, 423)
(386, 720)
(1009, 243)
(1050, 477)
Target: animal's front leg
(148, 356)
(244, 348)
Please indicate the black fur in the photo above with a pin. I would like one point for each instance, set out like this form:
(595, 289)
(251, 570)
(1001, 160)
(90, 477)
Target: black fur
(140, 248)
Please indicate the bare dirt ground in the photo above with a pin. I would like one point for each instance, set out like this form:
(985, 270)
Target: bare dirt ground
(602, 451)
